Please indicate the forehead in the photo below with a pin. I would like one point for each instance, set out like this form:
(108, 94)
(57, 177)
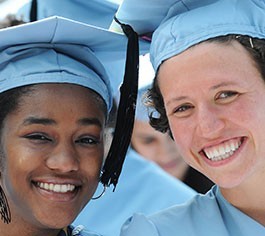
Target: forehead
(59, 92)
(207, 64)
(215, 54)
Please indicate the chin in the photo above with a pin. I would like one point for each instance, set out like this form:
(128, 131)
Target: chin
(228, 182)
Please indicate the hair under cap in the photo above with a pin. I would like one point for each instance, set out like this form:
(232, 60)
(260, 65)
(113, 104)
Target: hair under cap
(180, 24)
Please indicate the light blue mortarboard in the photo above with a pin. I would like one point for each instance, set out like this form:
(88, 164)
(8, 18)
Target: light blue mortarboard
(58, 50)
(179, 24)
(94, 12)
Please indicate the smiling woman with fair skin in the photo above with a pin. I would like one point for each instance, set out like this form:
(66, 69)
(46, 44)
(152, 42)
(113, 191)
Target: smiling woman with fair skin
(209, 92)
(224, 139)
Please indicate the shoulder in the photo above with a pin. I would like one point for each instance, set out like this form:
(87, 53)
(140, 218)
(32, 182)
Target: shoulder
(199, 216)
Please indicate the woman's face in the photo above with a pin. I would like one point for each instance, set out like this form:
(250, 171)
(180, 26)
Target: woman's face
(215, 98)
(52, 149)
(158, 147)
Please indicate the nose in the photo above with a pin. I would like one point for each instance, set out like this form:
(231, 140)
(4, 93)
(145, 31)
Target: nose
(63, 158)
(210, 122)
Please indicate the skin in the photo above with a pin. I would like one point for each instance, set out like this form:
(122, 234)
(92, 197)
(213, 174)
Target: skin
(213, 94)
(159, 148)
(54, 137)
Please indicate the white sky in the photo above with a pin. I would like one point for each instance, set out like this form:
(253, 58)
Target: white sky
(10, 6)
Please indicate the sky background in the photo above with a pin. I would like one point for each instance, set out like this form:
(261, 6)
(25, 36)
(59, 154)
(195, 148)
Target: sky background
(10, 6)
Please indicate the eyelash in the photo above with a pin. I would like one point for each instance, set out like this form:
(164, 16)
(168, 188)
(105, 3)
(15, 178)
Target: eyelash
(43, 138)
(38, 137)
(227, 93)
(88, 141)
(183, 108)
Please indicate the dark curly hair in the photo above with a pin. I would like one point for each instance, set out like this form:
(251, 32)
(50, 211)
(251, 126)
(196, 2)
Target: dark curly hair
(154, 99)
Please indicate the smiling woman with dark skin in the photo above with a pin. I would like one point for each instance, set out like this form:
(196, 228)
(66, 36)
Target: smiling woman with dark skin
(55, 97)
(55, 150)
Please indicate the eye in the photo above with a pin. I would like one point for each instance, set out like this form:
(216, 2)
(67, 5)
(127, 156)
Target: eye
(226, 96)
(183, 110)
(88, 140)
(38, 137)
(148, 140)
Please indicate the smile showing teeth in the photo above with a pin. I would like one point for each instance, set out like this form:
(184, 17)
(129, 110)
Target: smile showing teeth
(58, 188)
(222, 151)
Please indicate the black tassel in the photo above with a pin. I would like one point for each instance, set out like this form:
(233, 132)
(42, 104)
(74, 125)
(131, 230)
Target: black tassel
(126, 111)
(33, 16)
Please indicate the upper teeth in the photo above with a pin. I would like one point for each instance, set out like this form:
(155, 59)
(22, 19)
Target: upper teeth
(58, 188)
(223, 150)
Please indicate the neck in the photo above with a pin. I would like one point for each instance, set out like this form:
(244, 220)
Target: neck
(249, 198)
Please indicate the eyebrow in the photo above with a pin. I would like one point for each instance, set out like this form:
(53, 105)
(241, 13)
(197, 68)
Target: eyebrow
(223, 84)
(90, 121)
(176, 99)
(46, 121)
(36, 120)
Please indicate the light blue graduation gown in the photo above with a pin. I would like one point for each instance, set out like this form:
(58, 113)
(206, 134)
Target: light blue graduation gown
(204, 215)
(142, 187)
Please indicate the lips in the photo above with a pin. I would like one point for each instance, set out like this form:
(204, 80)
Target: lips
(223, 150)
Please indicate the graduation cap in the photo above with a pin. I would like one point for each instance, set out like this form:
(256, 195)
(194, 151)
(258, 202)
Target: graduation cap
(93, 12)
(60, 50)
(175, 25)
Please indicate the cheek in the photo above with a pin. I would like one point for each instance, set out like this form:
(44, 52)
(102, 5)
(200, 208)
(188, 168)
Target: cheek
(142, 148)
(183, 137)
(1, 164)
(92, 163)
